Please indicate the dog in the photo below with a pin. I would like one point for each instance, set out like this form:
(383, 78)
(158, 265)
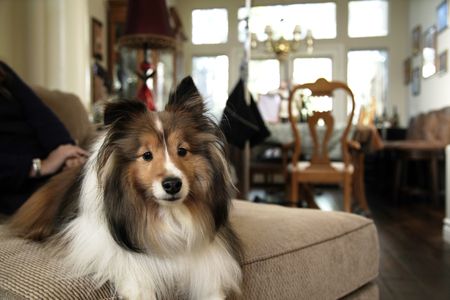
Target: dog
(149, 209)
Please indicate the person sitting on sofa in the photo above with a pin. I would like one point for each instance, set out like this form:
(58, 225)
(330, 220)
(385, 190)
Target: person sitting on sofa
(34, 144)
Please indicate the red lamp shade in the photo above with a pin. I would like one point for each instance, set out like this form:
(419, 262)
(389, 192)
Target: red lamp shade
(148, 24)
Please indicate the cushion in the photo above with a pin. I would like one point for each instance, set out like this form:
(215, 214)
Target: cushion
(70, 111)
(290, 253)
(416, 128)
(431, 125)
(27, 272)
(293, 253)
(337, 165)
(443, 131)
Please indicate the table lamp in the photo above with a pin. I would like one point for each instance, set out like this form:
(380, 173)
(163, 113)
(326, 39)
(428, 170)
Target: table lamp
(147, 27)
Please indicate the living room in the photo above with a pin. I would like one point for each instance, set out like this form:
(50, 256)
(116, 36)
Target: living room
(391, 54)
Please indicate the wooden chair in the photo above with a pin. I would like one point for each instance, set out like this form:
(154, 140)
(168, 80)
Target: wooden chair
(319, 169)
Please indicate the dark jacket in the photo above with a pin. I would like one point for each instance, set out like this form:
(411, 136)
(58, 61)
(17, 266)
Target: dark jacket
(28, 129)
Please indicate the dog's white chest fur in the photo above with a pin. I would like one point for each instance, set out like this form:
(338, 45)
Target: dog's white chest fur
(204, 272)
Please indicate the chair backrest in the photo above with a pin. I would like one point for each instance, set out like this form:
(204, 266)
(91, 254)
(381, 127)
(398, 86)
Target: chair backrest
(320, 157)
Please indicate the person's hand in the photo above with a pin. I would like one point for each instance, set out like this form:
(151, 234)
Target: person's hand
(58, 158)
(72, 162)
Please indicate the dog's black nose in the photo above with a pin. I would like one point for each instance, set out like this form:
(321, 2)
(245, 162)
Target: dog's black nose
(172, 185)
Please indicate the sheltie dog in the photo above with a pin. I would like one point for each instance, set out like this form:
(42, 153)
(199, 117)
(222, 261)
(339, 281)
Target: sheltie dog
(149, 209)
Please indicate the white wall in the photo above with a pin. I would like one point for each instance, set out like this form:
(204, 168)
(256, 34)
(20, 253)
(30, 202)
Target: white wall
(12, 39)
(47, 42)
(435, 91)
(396, 43)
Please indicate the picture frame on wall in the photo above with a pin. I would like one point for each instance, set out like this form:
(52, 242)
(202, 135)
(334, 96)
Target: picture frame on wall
(442, 16)
(416, 37)
(415, 82)
(97, 39)
(443, 62)
(407, 71)
(429, 52)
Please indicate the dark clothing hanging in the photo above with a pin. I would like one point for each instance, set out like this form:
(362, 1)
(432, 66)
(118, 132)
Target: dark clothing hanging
(241, 122)
(28, 129)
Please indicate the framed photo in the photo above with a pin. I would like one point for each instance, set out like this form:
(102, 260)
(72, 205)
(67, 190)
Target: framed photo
(416, 36)
(442, 16)
(407, 71)
(97, 39)
(443, 62)
(415, 82)
(429, 55)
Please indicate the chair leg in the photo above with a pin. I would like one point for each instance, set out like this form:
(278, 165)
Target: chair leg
(294, 190)
(348, 193)
(309, 196)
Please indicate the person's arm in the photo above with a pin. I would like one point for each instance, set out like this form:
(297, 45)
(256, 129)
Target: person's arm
(14, 170)
(49, 129)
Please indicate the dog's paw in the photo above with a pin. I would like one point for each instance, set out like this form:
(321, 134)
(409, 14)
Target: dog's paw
(219, 295)
(133, 292)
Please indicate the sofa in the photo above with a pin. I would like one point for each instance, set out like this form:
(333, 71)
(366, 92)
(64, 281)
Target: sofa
(289, 253)
(423, 148)
(432, 126)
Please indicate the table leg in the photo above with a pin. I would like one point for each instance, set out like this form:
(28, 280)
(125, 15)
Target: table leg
(434, 180)
(359, 190)
(397, 178)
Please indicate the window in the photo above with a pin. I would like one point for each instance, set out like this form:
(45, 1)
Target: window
(367, 77)
(210, 74)
(309, 70)
(320, 18)
(264, 76)
(364, 24)
(209, 26)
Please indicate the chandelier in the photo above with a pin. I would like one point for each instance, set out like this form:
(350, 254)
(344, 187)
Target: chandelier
(282, 46)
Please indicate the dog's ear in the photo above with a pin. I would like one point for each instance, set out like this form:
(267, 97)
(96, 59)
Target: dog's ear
(186, 97)
(124, 110)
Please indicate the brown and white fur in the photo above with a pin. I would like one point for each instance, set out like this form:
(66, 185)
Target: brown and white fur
(149, 210)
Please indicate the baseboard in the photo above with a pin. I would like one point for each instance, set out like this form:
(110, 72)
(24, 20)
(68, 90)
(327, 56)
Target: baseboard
(446, 230)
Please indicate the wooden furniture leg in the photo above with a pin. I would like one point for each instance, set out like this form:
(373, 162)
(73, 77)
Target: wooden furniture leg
(359, 190)
(434, 179)
(348, 193)
(294, 190)
(309, 196)
(397, 179)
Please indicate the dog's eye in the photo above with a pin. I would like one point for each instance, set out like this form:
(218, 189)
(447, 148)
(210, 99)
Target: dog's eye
(147, 156)
(182, 151)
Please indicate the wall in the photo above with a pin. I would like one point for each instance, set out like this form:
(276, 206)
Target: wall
(396, 43)
(47, 42)
(435, 91)
(12, 37)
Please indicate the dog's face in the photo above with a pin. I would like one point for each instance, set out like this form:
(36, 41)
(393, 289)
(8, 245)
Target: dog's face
(153, 164)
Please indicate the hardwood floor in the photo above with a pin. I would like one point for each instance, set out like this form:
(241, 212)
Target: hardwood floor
(414, 257)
